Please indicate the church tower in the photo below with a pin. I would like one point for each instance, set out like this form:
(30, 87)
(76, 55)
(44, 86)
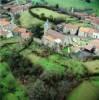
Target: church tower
(46, 27)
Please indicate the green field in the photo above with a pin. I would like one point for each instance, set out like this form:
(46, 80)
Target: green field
(85, 91)
(10, 88)
(27, 20)
(92, 66)
(79, 4)
(48, 13)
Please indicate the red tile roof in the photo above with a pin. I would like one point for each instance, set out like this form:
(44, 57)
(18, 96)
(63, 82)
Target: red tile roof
(55, 34)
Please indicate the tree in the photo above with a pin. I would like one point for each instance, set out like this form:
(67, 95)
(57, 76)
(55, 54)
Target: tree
(57, 6)
(88, 1)
(38, 91)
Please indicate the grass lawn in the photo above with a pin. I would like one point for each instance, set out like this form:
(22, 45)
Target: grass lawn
(79, 4)
(92, 66)
(9, 40)
(70, 3)
(85, 91)
(95, 80)
(48, 13)
(27, 20)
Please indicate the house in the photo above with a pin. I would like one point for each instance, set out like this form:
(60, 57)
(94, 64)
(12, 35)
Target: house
(70, 29)
(88, 32)
(93, 46)
(23, 32)
(54, 39)
(5, 26)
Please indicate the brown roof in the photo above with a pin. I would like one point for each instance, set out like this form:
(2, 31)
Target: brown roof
(4, 21)
(23, 31)
(93, 43)
(71, 26)
(88, 30)
(55, 34)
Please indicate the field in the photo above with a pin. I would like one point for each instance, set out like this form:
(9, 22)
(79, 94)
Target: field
(92, 66)
(69, 3)
(48, 13)
(85, 91)
(27, 20)
(79, 4)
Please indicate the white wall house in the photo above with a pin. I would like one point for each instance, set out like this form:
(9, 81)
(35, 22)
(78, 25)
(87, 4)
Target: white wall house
(70, 28)
(88, 32)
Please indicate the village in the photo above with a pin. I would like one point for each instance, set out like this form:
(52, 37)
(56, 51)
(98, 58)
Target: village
(54, 39)
(63, 35)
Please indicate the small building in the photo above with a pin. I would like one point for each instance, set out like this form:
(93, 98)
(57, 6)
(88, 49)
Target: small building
(88, 32)
(70, 29)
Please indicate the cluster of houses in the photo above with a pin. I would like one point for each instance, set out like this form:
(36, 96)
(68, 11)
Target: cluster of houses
(65, 35)
(9, 30)
(69, 35)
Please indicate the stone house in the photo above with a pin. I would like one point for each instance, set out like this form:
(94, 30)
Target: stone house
(54, 39)
(70, 29)
(88, 32)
